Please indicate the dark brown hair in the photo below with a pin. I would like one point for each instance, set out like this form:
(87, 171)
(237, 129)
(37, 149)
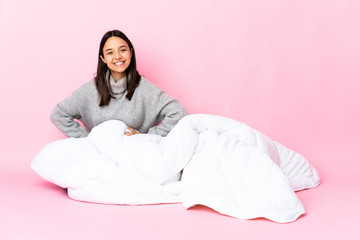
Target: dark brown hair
(103, 84)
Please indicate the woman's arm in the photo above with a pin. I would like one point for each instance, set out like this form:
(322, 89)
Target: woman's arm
(64, 117)
(170, 112)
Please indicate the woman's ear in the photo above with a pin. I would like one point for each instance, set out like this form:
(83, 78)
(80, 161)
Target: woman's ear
(103, 59)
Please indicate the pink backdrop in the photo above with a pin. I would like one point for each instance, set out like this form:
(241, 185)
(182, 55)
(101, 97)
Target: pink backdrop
(287, 68)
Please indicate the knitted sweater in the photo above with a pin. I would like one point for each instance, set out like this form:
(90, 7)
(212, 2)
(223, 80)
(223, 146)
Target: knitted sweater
(150, 110)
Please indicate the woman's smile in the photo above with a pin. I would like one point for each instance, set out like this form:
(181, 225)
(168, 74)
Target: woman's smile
(119, 63)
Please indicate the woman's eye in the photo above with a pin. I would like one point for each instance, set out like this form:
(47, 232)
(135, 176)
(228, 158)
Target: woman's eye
(123, 50)
(109, 53)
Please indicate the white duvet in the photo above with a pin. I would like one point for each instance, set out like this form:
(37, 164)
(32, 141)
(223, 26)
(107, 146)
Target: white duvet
(205, 159)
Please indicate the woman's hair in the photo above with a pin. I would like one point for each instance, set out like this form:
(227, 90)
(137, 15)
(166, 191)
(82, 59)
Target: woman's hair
(103, 84)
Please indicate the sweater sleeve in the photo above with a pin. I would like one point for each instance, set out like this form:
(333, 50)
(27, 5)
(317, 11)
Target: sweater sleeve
(170, 111)
(64, 117)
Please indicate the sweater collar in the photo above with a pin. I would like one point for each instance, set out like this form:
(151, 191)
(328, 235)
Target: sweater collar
(117, 87)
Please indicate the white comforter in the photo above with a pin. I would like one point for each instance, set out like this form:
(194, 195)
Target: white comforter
(225, 165)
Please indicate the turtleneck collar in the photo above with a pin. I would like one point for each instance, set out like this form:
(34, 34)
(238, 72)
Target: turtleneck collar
(119, 86)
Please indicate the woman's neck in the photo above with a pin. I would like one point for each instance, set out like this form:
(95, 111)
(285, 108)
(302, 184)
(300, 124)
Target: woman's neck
(117, 76)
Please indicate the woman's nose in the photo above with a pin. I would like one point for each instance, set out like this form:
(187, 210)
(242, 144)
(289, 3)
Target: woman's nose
(117, 55)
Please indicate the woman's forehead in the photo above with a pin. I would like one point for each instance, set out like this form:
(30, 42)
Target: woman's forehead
(115, 42)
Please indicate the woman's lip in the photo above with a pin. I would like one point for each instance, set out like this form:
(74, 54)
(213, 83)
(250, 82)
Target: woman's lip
(119, 63)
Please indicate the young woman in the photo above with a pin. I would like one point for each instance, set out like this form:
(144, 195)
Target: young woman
(118, 92)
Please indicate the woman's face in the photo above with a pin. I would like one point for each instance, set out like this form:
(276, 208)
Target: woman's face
(117, 57)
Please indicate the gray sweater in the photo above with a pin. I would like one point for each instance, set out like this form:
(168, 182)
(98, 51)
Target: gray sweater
(150, 110)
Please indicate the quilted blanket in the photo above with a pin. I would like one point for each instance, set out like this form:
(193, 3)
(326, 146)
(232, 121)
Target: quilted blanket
(205, 159)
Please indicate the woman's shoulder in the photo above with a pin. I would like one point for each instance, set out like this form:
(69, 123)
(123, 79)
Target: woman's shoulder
(88, 86)
(86, 90)
(148, 87)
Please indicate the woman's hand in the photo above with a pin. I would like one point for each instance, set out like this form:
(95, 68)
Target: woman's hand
(130, 131)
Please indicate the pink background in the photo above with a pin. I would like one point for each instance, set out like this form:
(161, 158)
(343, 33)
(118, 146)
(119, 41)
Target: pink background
(287, 68)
